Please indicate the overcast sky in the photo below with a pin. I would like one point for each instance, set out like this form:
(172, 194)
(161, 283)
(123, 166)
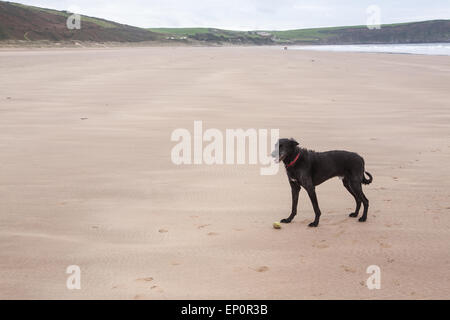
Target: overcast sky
(250, 14)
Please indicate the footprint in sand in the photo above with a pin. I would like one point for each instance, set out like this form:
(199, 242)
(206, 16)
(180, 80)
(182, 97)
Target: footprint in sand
(153, 287)
(339, 222)
(203, 226)
(317, 294)
(336, 235)
(261, 269)
(383, 245)
(147, 279)
(321, 245)
(348, 269)
(163, 230)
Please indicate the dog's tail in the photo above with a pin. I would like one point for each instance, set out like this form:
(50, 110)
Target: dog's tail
(367, 181)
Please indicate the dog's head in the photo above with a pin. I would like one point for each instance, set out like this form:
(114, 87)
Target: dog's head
(283, 148)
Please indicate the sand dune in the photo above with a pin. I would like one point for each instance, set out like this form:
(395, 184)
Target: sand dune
(86, 176)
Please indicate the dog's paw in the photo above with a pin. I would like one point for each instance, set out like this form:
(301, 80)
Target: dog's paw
(362, 219)
(353, 215)
(285, 220)
(313, 224)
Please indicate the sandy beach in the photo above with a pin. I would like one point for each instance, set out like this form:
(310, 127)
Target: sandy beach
(86, 176)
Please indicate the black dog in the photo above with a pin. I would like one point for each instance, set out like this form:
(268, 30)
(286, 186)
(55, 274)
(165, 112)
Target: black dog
(307, 169)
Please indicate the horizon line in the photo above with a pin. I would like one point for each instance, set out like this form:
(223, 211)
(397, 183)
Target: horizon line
(268, 30)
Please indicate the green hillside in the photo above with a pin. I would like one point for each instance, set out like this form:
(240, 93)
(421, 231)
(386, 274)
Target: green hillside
(29, 23)
(412, 32)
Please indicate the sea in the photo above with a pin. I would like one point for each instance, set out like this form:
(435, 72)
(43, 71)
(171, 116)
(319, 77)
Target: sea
(440, 49)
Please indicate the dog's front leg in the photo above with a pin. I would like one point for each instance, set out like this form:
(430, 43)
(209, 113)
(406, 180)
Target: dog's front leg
(312, 195)
(295, 190)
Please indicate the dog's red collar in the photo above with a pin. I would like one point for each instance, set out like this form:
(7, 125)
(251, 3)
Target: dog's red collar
(293, 161)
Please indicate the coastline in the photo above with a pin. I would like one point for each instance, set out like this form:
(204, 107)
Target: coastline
(17, 45)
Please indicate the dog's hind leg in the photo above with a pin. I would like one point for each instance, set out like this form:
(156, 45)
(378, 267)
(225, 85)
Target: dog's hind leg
(295, 190)
(357, 199)
(357, 189)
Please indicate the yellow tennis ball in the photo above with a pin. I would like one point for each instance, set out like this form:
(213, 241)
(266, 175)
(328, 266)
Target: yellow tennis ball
(277, 225)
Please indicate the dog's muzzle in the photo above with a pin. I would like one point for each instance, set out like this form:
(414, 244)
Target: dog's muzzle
(278, 157)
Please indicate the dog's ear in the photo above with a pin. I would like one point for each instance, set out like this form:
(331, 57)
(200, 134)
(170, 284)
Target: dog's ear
(293, 141)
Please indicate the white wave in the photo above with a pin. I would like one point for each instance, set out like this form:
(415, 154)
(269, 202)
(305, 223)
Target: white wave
(418, 48)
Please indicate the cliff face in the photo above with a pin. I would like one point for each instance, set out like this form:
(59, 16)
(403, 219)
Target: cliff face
(418, 32)
(19, 22)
